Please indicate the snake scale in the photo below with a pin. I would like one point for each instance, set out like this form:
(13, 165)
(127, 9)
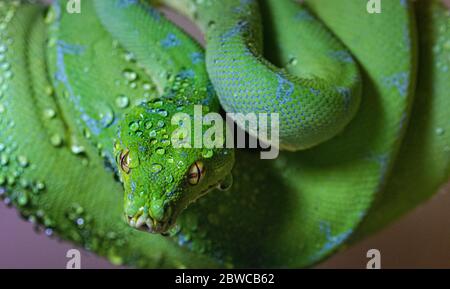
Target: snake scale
(87, 102)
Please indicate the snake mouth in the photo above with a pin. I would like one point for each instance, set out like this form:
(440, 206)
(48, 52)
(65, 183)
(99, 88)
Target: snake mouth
(143, 222)
(147, 224)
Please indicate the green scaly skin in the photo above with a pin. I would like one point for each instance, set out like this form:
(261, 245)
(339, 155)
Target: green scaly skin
(317, 90)
(155, 183)
(86, 98)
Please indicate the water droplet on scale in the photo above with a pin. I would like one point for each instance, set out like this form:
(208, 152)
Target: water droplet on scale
(80, 222)
(129, 57)
(49, 113)
(147, 86)
(4, 159)
(163, 113)
(130, 75)
(23, 161)
(440, 131)
(48, 232)
(156, 168)
(122, 101)
(134, 126)
(106, 116)
(22, 199)
(76, 149)
(169, 179)
(24, 183)
(165, 142)
(40, 186)
(56, 140)
(161, 124)
(148, 125)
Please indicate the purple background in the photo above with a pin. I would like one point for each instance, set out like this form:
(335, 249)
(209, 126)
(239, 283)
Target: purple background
(420, 239)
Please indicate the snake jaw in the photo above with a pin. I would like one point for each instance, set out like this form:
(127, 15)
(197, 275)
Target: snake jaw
(147, 224)
(143, 222)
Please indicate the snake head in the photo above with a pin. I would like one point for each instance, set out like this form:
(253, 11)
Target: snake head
(161, 180)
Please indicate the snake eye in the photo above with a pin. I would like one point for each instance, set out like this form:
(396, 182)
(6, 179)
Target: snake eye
(196, 173)
(123, 160)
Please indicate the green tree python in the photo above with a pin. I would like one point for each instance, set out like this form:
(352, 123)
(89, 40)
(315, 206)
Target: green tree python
(87, 106)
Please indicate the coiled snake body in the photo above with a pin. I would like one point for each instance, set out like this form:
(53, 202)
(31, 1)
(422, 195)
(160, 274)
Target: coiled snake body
(88, 99)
